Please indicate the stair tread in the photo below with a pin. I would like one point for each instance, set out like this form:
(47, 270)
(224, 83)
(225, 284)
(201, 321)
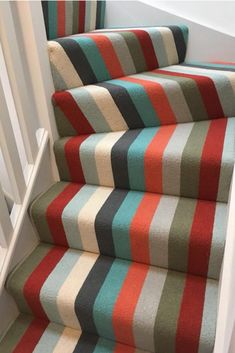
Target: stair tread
(29, 334)
(167, 231)
(179, 159)
(174, 94)
(125, 301)
(96, 56)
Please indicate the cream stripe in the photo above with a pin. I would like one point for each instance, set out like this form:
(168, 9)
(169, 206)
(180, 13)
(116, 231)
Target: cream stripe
(69, 291)
(107, 106)
(103, 158)
(87, 216)
(171, 163)
(60, 60)
(174, 94)
(147, 307)
(160, 229)
(67, 341)
(169, 44)
(93, 15)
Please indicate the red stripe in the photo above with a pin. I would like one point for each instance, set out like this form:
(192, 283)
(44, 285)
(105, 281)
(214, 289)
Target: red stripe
(147, 48)
(108, 54)
(35, 281)
(211, 160)
(232, 63)
(124, 307)
(190, 318)
(54, 213)
(153, 158)
(61, 18)
(72, 148)
(31, 336)
(158, 99)
(201, 238)
(120, 348)
(64, 100)
(207, 89)
(139, 228)
(81, 16)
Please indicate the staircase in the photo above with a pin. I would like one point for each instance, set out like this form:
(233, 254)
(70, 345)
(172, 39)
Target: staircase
(132, 237)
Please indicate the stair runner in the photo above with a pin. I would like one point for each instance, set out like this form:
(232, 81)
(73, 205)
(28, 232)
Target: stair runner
(132, 237)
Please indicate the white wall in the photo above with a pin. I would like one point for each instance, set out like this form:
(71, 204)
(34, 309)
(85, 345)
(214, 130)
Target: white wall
(205, 44)
(214, 14)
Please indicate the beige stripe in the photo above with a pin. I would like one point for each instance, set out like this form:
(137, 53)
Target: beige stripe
(60, 60)
(86, 218)
(169, 45)
(69, 291)
(93, 15)
(206, 72)
(172, 157)
(68, 340)
(174, 94)
(103, 158)
(107, 106)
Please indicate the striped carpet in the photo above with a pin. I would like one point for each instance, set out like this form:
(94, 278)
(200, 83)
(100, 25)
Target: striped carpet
(132, 236)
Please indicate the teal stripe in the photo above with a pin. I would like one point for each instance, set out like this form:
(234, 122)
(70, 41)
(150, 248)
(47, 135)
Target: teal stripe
(54, 282)
(185, 32)
(141, 102)
(121, 224)
(101, 14)
(94, 57)
(104, 346)
(107, 296)
(49, 339)
(87, 157)
(207, 64)
(88, 106)
(52, 19)
(70, 216)
(135, 158)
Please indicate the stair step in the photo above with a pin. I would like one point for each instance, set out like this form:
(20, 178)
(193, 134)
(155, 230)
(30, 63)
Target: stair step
(102, 55)
(132, 303)
(178, 233)
(191, 160)
(174, 94)
(28, 334)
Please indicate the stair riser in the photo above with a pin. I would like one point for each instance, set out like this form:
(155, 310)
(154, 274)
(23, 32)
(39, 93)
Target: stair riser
(132, 303)
(99, 56)
(181, 160)
(175, 94)
(134, 226)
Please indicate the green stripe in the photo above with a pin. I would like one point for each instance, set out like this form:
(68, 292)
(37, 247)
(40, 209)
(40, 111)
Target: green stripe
(168, 313)
(61, 161)
(15, 333)
(18, 278)
(75, 16)
(107, 296)
(52, 19)
(191, 93)
(39, 208)
(179, 235)
(135, 50)
(191, 158)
